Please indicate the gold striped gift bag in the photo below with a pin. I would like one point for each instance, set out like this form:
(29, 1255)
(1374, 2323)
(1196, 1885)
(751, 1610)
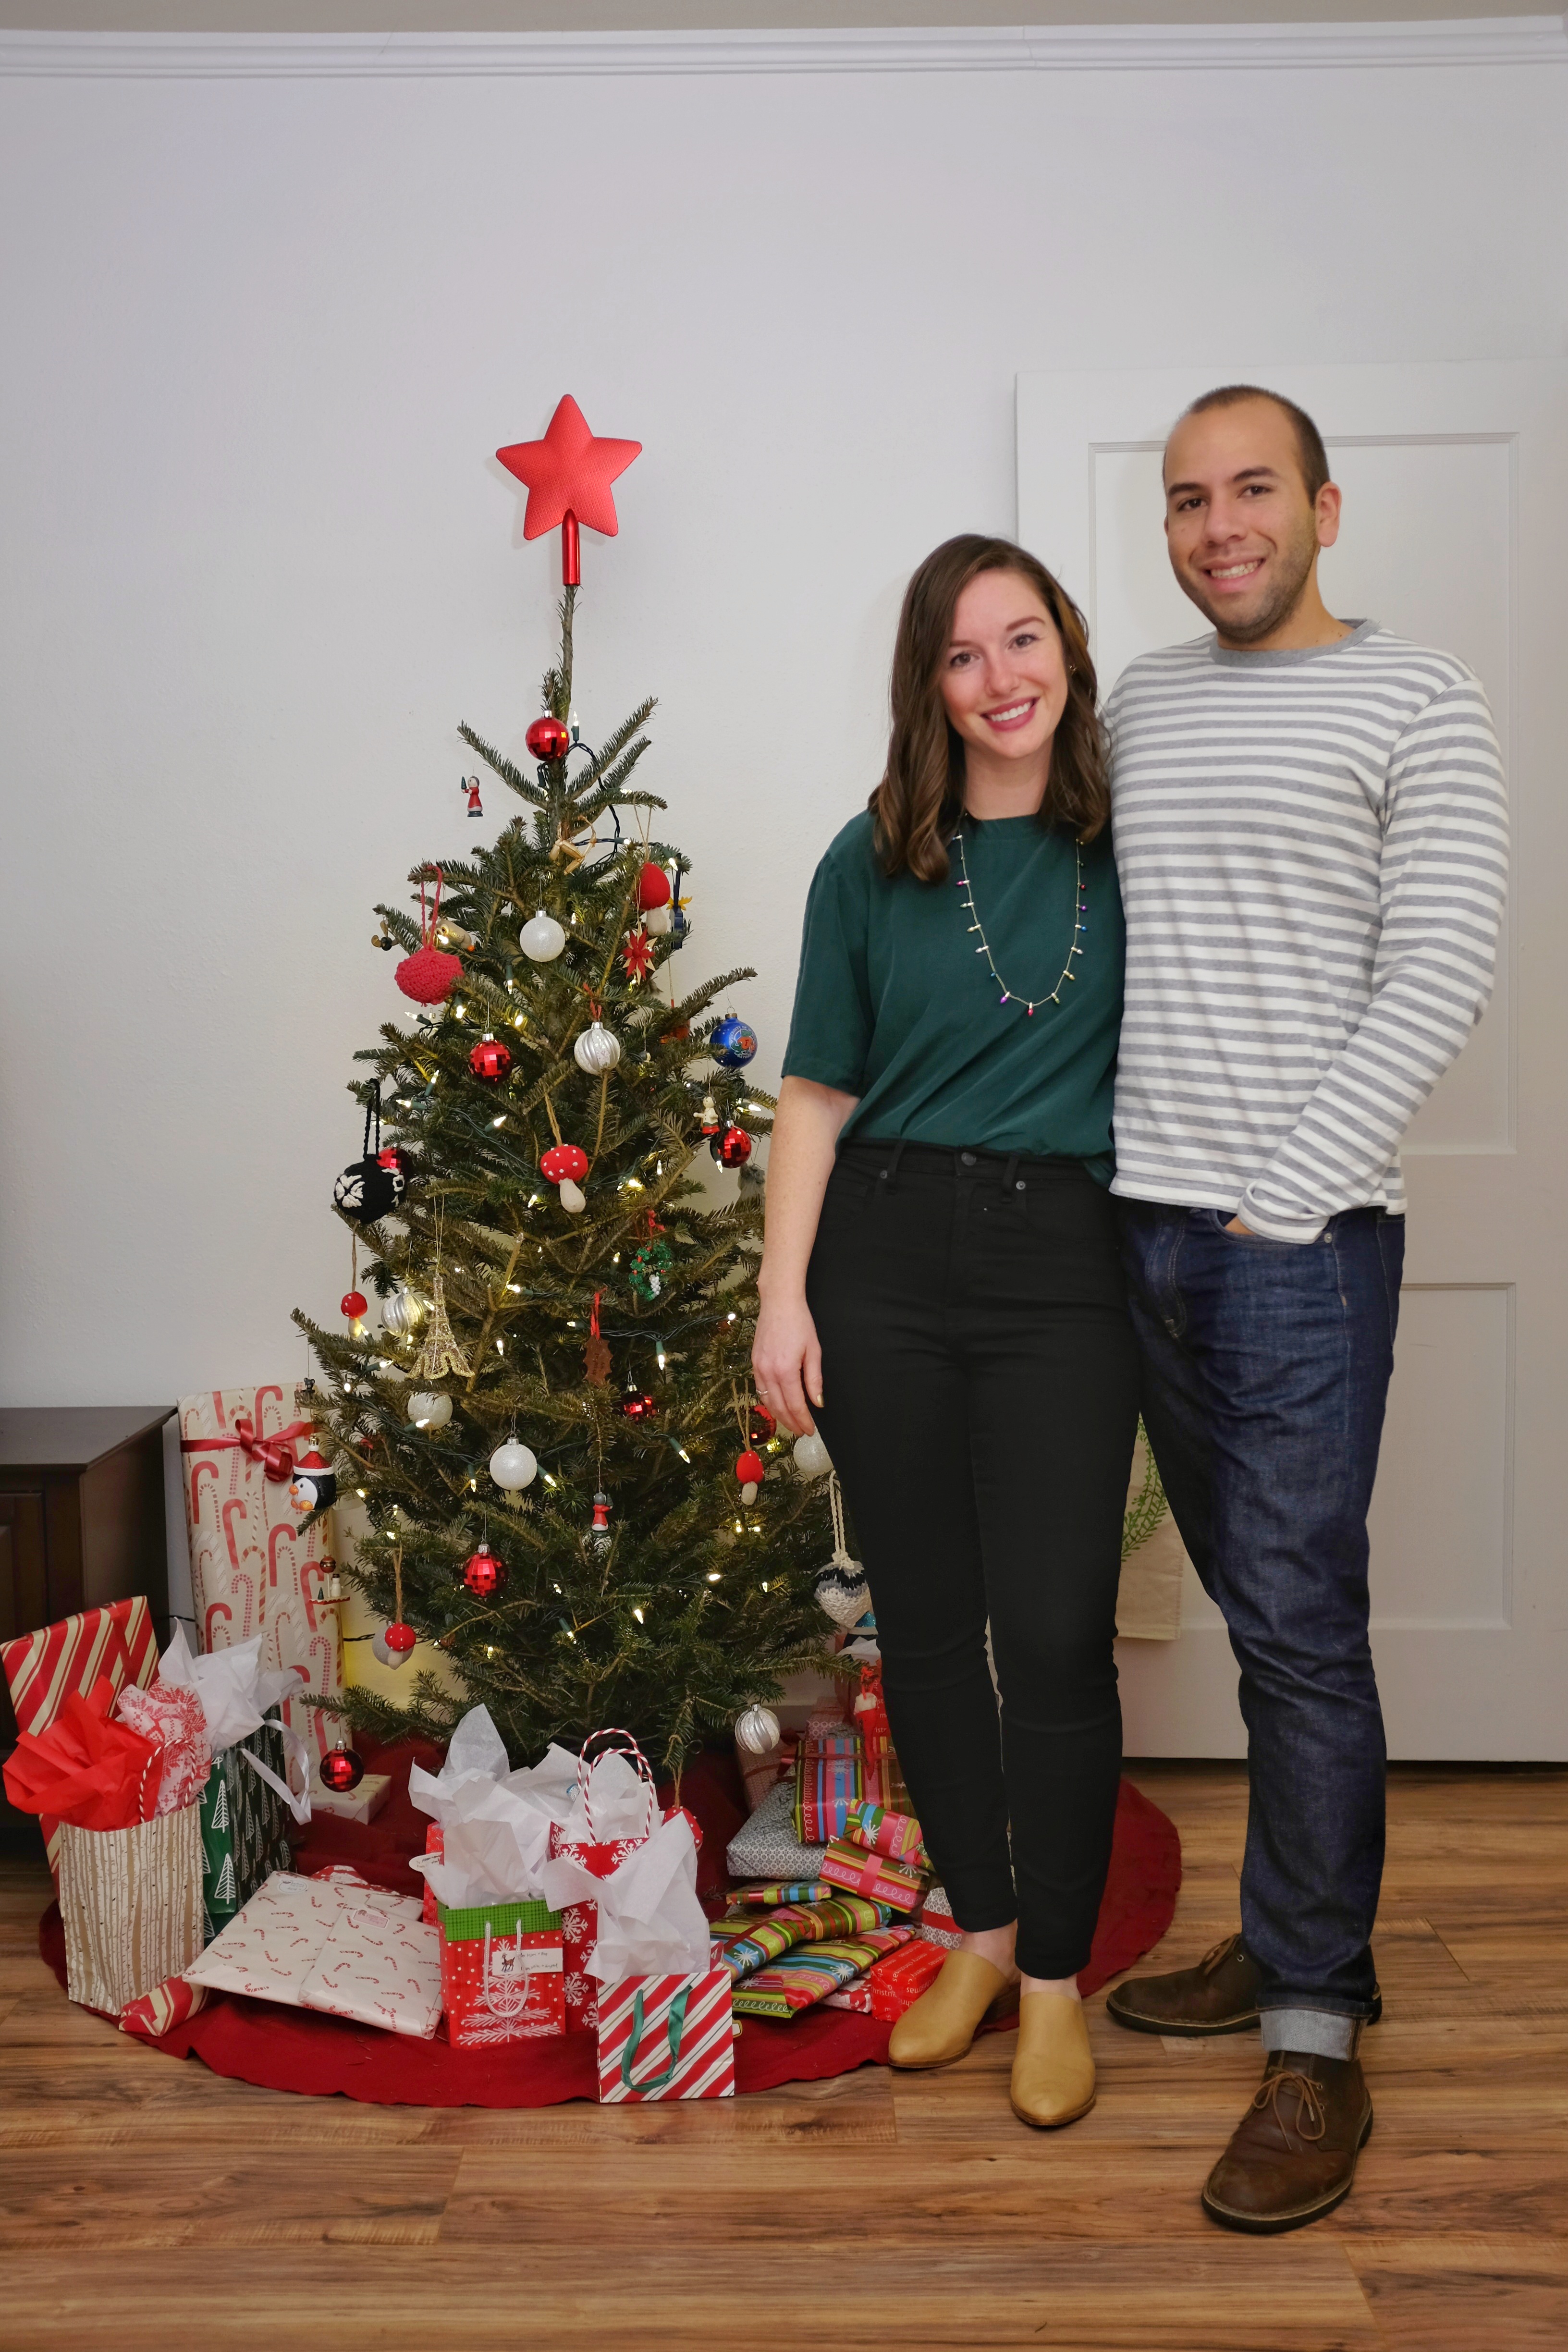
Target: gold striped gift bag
(131, 1903)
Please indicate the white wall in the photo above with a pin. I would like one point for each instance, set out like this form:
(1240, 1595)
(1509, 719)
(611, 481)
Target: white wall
(256, 560)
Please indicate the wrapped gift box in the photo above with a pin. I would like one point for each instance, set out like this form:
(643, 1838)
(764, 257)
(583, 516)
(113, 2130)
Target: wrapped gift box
(254, 1567)
(667, 2038)
(829, 1777)
(326, 1943)
(380, 1965)
(893, 1983)
(811, 1972)
(881, 1832)
(502, 1973)
(875, 1875)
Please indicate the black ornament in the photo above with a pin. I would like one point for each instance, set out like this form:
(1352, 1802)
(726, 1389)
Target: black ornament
(371, 1188)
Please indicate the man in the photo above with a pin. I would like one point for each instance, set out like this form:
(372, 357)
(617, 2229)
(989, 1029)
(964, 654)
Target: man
(1311, 831)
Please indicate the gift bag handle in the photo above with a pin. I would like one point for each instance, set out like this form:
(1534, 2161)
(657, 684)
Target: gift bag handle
(675, 2028)
(634, 1755)
(296, 1752)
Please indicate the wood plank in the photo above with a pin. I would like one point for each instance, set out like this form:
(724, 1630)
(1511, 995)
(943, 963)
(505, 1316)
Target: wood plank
(123, 2172)
(1465, 2294)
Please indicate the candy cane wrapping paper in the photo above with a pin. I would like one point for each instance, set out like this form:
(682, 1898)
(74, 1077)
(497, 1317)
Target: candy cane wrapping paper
(323, 1943)
(255, 1569)
(667, 2038)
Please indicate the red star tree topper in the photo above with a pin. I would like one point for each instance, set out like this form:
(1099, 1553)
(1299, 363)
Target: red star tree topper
(568, 476)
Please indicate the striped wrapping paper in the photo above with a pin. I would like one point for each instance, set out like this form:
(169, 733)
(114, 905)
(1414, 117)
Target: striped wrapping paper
(667, 2038)
(154, 2014)
(875, 1875)
(783, 1891)
(801, 1923)
(895, 1983)
(829, 1776)
(810, 1973)
(880, 1832)
(130, 1901)
(40, 1668)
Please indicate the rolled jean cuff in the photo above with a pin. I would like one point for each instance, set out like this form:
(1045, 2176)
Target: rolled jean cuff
(1323, 2032)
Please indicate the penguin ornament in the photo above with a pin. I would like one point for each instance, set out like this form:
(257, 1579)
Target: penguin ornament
(314, 1487)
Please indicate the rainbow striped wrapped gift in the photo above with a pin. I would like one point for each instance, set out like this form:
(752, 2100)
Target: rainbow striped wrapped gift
(811, 1971)
(877, 1876)
(781, 1891)
(762, 1940)
(667, 2038)
(829, 1776)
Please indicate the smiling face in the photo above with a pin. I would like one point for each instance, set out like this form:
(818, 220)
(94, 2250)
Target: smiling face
(1004, 675)
(1243, 535)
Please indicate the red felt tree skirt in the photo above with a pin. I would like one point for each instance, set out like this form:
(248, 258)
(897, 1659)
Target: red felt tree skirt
(299, 2050)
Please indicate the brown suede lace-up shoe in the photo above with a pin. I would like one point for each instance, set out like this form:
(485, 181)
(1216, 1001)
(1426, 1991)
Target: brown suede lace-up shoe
(1292, 2156)
(1218, 1996)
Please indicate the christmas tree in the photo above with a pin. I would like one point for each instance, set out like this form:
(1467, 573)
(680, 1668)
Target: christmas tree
(567, 1484)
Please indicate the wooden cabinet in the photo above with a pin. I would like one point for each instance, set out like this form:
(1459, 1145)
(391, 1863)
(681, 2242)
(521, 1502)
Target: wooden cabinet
(81, 1516)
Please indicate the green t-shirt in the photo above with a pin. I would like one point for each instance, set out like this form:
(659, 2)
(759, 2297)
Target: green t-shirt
(893, 1003)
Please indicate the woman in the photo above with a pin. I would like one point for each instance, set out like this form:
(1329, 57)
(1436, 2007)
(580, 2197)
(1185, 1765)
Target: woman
(940, 1285)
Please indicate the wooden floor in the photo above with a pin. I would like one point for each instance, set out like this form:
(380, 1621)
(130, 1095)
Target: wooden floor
(148, 2206)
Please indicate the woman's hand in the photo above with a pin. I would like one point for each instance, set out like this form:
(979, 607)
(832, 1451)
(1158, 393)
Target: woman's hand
(786, 1359)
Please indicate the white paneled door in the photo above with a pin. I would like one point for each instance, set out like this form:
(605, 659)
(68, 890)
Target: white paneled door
(1456, 521)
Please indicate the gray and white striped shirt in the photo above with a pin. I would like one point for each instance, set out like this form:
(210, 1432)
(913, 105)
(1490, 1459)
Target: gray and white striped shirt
(1313, 853)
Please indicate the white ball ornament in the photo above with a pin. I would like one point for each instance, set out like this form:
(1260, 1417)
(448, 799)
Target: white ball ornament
(428, 1408)
(757, 1730)
(597, 1050)
(402, 1312)
(812, 1459)
(513, 1466)
(542, 939)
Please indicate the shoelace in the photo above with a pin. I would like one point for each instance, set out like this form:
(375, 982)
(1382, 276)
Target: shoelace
(1311, 2117)
(1220, 1951)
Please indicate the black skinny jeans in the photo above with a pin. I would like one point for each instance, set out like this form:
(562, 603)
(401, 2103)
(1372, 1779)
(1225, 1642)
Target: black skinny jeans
(981, 1400)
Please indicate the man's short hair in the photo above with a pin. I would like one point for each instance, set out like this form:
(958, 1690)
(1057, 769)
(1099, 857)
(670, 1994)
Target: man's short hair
(1309, 446)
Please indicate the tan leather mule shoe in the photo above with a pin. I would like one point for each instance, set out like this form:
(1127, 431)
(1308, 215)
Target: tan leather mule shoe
(1053, 2068)
(941, 2025)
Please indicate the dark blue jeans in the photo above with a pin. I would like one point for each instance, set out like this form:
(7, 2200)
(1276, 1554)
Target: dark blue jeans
(1265, 1370)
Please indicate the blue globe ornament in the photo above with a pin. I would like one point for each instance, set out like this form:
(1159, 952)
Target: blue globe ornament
(732, 1043)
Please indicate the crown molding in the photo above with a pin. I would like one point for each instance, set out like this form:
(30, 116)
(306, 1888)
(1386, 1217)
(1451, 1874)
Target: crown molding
(1052, 49)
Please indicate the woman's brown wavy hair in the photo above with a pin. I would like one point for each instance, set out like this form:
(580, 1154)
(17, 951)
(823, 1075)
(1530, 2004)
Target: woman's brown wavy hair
(918, 802)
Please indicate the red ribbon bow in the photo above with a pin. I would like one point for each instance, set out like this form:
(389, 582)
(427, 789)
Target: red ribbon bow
(276, 1454)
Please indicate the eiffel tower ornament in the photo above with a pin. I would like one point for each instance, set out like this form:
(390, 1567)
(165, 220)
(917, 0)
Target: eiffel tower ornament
(440, 1352)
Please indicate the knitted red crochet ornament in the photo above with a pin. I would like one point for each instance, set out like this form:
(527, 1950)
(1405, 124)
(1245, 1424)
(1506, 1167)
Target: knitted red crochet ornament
(428, 975)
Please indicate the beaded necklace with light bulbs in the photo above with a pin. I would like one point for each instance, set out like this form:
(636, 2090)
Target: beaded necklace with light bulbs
(1080, 910)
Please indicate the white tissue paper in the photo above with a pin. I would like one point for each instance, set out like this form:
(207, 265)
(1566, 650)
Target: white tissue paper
(234, 1690)
(650, 1921)
(496, 1825)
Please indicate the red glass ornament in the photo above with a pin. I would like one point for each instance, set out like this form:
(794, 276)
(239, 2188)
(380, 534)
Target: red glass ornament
(547, 739)
(341, 1770)
(354, 1303)
(637, 1405)
(400, 1639)
(750, 1468)
(565, 1161)
(428, 975)
(653, 887)
(734, 1148)
(762, 1424)
(484, 1574)
(489, 1060)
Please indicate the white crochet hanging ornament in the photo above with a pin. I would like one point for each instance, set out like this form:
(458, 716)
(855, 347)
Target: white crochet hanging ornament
(840, 1587)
